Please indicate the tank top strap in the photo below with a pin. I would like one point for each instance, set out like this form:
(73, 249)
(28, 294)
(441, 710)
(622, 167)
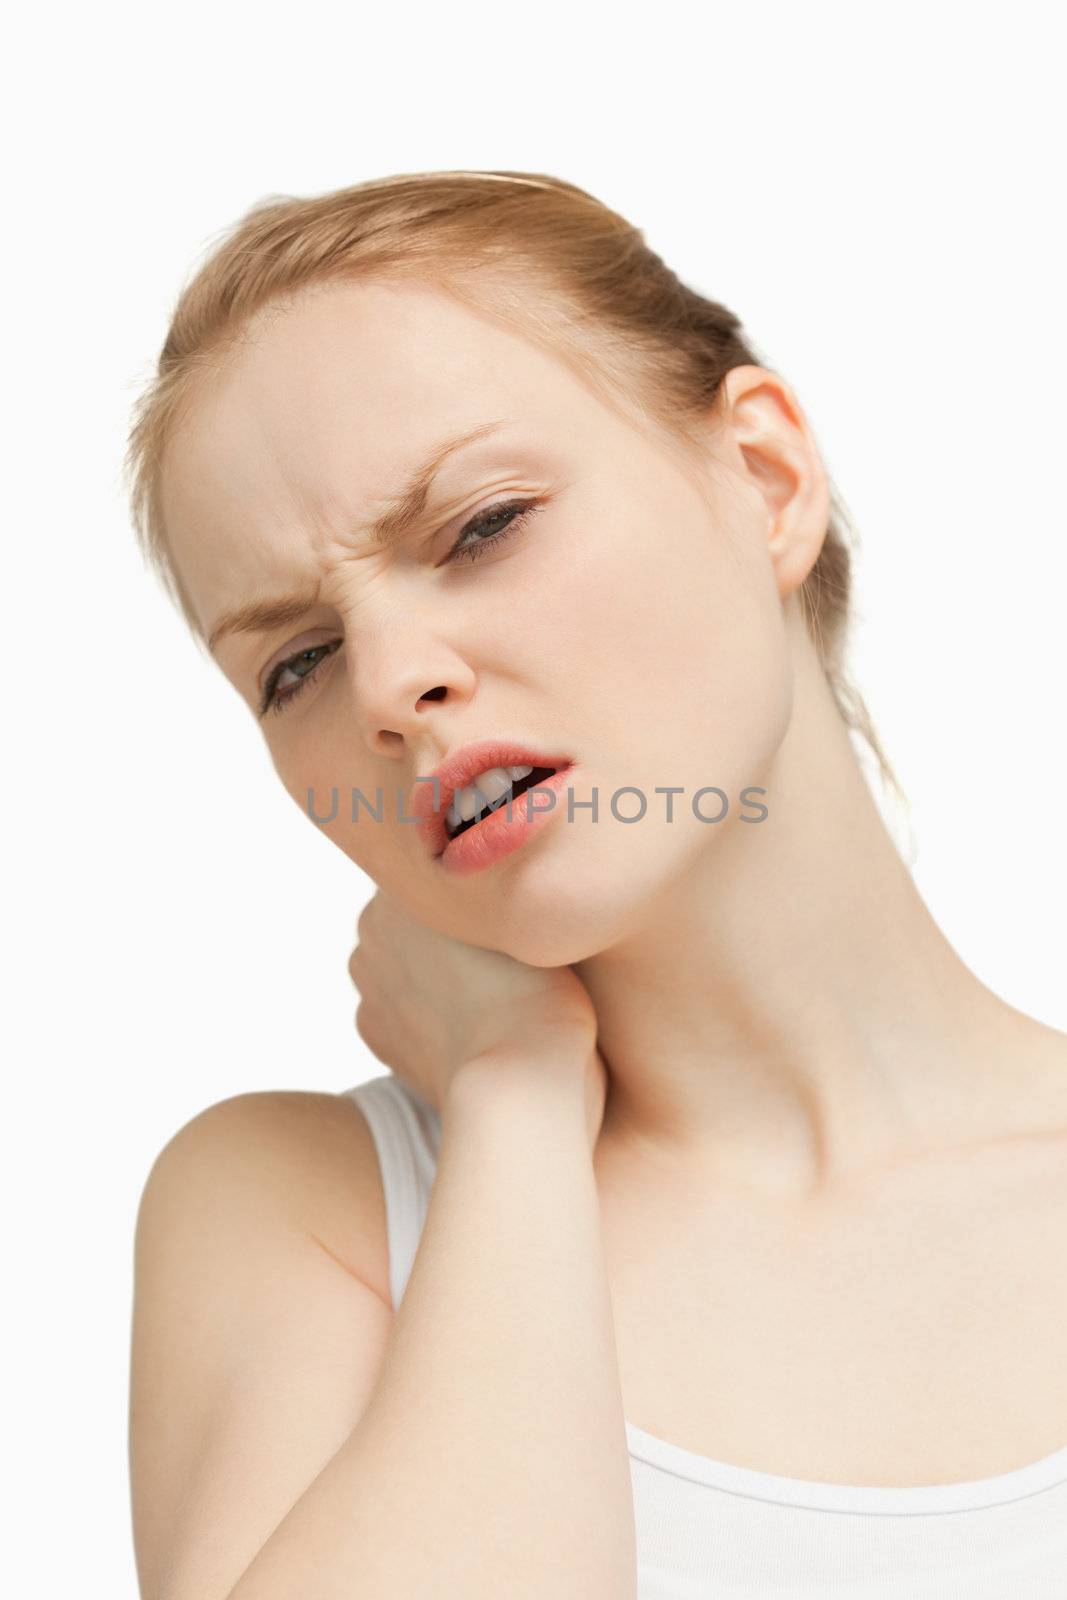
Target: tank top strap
(407, 1136)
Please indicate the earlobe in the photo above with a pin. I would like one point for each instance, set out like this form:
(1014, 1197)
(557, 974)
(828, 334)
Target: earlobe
(782, 462)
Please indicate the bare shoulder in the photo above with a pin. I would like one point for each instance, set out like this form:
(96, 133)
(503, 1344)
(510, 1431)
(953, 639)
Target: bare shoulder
(1045, 1050)
(311, 1160)
(1029, 1145)
(260, 1322)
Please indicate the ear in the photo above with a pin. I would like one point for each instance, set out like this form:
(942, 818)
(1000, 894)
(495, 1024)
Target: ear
(776, 452)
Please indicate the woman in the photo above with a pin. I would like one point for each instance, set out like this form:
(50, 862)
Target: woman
(739, 1202)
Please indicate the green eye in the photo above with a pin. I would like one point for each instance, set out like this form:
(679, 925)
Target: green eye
(520, 512)
(273, 701)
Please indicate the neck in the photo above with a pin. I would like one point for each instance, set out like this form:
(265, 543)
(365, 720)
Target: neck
(789, 1016)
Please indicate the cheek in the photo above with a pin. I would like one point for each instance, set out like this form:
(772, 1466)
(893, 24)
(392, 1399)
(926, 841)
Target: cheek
(679, 666)
(322, 788)
(388, 850)
(734, 691)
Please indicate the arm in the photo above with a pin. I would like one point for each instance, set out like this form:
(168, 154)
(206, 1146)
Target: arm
(491, 1458)
(260, 1317)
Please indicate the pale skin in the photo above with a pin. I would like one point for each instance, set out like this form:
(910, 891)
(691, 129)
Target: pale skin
(817, 1138)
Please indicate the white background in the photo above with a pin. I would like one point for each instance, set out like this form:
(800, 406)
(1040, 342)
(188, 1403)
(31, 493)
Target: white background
(876, 190)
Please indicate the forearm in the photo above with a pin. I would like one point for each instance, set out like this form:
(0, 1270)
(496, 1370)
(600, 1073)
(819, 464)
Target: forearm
(491, 1458)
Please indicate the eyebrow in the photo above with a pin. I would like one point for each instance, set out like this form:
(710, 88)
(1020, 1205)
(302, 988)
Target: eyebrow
(401, 513)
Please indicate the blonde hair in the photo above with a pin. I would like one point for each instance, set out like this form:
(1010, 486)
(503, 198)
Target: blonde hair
(542, 256)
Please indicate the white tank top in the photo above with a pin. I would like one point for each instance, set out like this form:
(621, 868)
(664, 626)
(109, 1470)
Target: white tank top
(706, 1528)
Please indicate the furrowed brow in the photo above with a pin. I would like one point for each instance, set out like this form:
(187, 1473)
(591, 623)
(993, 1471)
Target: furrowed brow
(401, 513)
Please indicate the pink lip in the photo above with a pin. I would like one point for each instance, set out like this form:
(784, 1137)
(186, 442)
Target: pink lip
(458, 771)
(505, 829)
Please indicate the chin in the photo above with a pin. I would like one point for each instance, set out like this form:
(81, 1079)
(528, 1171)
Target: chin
(571, 903)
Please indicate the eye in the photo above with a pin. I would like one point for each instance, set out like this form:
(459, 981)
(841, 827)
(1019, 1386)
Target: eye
(274, 701)
(516, 513)
(519, 512)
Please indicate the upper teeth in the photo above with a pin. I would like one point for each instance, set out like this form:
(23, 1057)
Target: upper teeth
(493, 785)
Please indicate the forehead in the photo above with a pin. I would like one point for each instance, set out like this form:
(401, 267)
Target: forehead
(325, 409)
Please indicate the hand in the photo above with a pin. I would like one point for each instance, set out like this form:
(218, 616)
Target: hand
(431, 1004)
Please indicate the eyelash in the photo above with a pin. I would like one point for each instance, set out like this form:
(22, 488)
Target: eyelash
(523, 509)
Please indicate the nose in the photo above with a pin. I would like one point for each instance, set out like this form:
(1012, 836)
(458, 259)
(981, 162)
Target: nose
(397, 685)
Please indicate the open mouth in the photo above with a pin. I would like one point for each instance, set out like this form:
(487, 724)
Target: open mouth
(519, 786)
